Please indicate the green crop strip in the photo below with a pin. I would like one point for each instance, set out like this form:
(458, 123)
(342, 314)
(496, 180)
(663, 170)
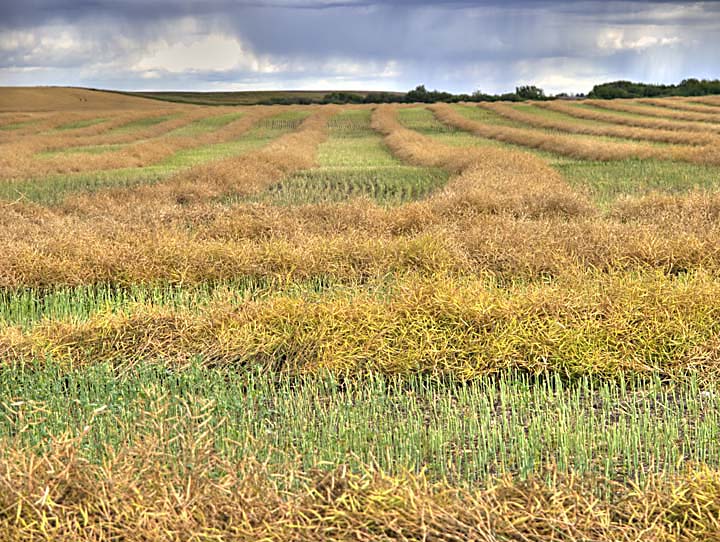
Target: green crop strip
(52, 189)
(27, 307)
(17, 125)
(462, 432)
(263, 133)
(495, 119)
(556, 115)
(354, 162)
(80, 124)
(607, 181)
(467, 328)
(603, 181)
(206, 125)
(423, 121)
(84, 149)
(141, 123)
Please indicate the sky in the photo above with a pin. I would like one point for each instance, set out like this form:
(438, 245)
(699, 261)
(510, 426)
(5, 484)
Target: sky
(453, 45)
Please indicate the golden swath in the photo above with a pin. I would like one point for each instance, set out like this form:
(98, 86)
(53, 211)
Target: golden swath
(506, 267)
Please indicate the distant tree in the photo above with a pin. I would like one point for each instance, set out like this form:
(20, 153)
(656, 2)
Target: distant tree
(479, 96)
(419, 94)
(507, 97)
(342, 98)
(615, 89)
(628, 89)
(696, 87)
(383, 97)
(530, 92)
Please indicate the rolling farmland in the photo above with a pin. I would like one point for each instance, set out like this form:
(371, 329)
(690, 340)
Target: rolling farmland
(492, 321)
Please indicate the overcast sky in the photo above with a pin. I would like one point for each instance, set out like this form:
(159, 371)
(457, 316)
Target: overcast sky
(459, 46)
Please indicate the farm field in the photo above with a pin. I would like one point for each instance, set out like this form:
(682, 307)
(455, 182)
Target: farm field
(396, 322)
(236, 98)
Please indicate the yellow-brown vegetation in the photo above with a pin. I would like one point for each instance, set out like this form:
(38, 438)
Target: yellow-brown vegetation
(24, 99)
(146, 493)
(20, 160)
(14, 118)
(681, 104)
(707, 100)
(505, 212)
(568, 145)
(574, 127)
(631, 106)
(505, 270)
(236, 175)
(42, 134)
(582, 324)
(626, 120)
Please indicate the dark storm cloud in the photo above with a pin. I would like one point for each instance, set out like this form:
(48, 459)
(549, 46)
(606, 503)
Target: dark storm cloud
(454, 44)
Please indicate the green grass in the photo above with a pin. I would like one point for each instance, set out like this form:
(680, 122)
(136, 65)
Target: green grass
(478, 114)
(80, 124)
(17, 125)
(602, 181)
(52, 189)
(606, 181)
(287, 119)
(197, 127)
(422, 120)
(464, 432)
(386, 185)
(27, 306)
(350, 123)
(541, 112)
(83, 149)
(615, 112)
(354, 162)
(138, 124)
(203, 126)
(263, 133)
(495, 119)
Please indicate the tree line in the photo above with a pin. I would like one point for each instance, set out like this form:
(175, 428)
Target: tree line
(616, 89)
(628, 89)
(418, 94)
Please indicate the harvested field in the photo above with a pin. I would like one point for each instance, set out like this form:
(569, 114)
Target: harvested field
(575, 146)
(587, 112)
(359, 322)
(707, 100)
(535, 117)
(640, 108)
(682, 104)
(237, 98)
(52, 99)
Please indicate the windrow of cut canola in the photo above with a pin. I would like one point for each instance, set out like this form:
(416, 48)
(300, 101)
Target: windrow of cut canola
(323, 323)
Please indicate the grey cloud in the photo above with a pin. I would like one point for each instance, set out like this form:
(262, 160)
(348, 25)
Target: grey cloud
(456, 44)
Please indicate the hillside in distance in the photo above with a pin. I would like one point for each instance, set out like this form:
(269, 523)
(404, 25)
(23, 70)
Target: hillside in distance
(38, 99)
(244, 97)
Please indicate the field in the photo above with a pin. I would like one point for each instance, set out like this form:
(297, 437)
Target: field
(398, 322)
(238, 98)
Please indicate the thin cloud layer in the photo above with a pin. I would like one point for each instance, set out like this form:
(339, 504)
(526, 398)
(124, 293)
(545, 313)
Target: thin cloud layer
(458, 45)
